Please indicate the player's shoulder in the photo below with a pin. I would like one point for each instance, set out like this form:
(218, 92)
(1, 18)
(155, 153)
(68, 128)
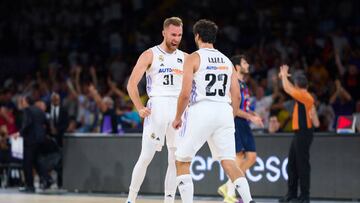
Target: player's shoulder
(194, 54)
(146, 56)
(182, 52)
(148, 53)
(192, 58)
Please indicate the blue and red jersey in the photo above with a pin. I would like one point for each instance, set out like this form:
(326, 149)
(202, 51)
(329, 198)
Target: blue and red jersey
(245, 103)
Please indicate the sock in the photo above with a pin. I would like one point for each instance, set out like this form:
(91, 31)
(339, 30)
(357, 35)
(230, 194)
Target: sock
(132, 196)
(170, 178)
(186, 188)
(169, 197)
(230, 188)
(242, 186)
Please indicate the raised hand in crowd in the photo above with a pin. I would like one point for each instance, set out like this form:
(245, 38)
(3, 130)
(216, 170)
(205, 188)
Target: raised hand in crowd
(340, 92)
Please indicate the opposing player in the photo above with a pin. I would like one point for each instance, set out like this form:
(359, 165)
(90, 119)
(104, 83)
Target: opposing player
(163, 65)
(244, 140)
(207, 82)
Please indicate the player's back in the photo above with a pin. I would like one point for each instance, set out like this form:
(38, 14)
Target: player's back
(164, 77)
(213, 78)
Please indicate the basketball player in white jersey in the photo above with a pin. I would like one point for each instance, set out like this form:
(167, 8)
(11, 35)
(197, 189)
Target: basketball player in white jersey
(163, 65)
(211, 86)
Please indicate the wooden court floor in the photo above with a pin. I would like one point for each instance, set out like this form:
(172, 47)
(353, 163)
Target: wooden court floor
(36, 198)
(15, 197)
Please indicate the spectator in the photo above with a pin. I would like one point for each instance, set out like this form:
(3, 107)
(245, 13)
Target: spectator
(7, 119)
(59, 120)
(129, 118)
(4, 146)
(341, 101)
(274, 125)
(263, 103)
(118, 70)
(106, 106)
(357, 116)
(59, 123)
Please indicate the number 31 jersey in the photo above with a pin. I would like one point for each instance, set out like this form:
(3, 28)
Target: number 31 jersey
(164, 77)
(213, 78)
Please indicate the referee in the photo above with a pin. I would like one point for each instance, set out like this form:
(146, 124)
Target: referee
(299, 157)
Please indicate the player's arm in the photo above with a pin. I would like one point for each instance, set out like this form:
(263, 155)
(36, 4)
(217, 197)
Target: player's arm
(140, 68)
(235, 93)
(191, 63)
(251, 116)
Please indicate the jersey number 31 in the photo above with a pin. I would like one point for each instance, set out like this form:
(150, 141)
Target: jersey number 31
(169, 79)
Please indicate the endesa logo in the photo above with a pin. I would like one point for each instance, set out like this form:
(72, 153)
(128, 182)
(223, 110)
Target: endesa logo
(270, 169)
(171, 70)
(217, 68)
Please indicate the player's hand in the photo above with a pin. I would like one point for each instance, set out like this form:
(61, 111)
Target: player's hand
(144, 112)
(257, 121)
(177, 123)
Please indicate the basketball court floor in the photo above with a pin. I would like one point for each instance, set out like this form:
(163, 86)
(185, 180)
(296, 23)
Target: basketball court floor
(13, 196)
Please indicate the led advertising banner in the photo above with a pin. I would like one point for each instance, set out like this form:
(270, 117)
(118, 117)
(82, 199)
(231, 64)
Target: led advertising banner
(105, 163)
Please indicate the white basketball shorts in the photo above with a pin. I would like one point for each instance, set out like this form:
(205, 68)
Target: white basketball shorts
(211, 122)
(157, 125)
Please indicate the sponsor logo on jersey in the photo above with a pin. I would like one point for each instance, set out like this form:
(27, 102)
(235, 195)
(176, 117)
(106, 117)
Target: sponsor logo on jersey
(171, 70)
(217, 68)
(179, 60)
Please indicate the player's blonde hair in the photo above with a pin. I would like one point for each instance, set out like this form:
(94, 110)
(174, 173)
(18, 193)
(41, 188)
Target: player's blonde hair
(172, 21)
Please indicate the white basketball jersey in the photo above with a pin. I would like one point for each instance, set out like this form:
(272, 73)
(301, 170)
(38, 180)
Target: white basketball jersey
(164, 77)
(213, 78)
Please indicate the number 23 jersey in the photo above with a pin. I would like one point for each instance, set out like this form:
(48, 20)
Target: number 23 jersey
(213, 78)
(164, 77)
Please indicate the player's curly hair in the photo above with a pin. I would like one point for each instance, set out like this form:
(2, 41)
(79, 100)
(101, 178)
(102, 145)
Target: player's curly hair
(206, 29)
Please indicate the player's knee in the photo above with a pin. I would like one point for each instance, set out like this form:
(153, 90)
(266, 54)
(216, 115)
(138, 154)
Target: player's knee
(251, 157)
(228, 165)
(145, 160)
(171, 155)
(171, 161)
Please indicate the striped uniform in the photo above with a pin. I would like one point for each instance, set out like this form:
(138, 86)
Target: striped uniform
(244, 138)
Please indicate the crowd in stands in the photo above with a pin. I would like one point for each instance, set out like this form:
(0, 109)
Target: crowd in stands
(85, 51)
